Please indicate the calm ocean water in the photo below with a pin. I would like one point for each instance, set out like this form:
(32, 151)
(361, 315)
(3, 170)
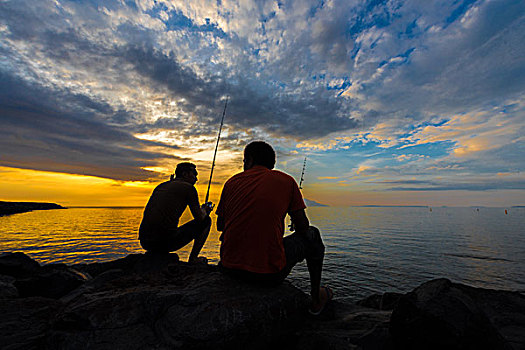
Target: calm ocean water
(368, 250)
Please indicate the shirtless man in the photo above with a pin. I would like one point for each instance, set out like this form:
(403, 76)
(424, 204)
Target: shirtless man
(159, 230)
(251, 215)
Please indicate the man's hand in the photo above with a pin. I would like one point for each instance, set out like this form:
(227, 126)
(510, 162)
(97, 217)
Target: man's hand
(207, 207)
(299, 220)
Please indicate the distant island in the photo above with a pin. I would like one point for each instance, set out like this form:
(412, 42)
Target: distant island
(8, 208)
(393, 206)
(310, 203)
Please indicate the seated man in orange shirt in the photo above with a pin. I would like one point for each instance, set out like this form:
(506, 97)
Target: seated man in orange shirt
(251, 213)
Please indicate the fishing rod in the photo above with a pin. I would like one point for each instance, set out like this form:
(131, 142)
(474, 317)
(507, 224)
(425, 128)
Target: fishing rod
(292, 225)
(302, 175)
(216, 147)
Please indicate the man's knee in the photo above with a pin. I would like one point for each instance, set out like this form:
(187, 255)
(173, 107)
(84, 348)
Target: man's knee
(315, 242)
(204, 228)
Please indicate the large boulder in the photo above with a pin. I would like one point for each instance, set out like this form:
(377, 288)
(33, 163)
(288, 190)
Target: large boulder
(385, 301)
(7, 287)
(132, 263)
(183, 306)
(440, 314)
(18, 265)
(156, 301)
(25, 322)
(52, 282)
(31, 279)
(342, 327)
(146, 301)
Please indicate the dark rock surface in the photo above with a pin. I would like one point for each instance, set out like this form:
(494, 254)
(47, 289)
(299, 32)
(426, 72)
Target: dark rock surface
(385, 301)
(156, 301)
(31, 279)
(344, 326)
(443, 315)
(8, 208)
(25, 322)
(17, 265)
(142, 301)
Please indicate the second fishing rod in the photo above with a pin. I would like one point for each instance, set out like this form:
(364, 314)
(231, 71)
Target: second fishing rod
(215, 154)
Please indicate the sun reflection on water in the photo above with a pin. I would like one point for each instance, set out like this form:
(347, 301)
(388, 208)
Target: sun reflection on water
(368, 250)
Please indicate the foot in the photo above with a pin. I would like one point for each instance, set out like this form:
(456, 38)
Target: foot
(325, 295)
(200, 260)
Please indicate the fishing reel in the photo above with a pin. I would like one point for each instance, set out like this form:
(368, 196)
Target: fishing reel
(291, 227)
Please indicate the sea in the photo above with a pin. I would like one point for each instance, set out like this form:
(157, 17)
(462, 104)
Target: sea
(368, 249)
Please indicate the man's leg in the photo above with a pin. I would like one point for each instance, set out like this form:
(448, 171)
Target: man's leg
(308, 246)
(196, 231)
(199, 241)
(154, 247)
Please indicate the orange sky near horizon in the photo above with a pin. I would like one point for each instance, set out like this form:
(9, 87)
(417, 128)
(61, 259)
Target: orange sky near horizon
(80, 190)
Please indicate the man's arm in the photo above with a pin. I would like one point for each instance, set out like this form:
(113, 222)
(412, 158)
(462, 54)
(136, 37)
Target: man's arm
(220, 223)
(300, 220)
(199, 212)
(196, 212)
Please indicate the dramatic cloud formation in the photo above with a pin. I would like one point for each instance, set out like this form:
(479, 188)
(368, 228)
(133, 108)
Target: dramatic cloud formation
(381, 96)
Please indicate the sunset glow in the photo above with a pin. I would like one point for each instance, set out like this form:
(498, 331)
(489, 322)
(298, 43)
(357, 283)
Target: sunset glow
(421, 103)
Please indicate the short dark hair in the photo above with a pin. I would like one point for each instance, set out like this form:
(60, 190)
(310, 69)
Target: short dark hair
(184, 167)
(261, 153)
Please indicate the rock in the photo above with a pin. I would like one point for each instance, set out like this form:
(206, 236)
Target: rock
(50, 282)
(345, 326)
(17, 265)
(106, 273)
(385, 301)
(156, 301)
(31, 279)
(181, 307)
(133, 263)
(443, 315)
(25, 322)
(7, 287)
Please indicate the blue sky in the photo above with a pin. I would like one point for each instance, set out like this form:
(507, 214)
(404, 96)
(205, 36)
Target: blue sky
(392, 102)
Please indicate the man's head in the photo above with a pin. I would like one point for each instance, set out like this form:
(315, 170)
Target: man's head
(259, 153)
(186, 171)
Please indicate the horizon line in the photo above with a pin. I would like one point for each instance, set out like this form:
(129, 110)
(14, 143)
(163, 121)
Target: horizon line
(332, 206)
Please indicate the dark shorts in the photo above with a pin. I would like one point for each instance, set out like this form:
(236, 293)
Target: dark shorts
(173, 240)
(296, 248)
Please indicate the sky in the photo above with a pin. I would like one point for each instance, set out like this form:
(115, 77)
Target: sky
(391, 102)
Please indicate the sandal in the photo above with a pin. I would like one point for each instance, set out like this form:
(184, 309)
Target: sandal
(329, 295)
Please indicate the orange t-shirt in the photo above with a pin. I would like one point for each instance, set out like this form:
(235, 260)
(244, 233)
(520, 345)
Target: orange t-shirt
(254, 204)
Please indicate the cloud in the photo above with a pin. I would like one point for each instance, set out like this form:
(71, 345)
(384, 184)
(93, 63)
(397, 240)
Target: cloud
(400, 88)
(512, 181)
(64, 132)
(465, 187)
(328, 177)
(471, 62)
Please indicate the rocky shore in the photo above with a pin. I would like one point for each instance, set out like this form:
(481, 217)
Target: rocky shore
(8, 208)
(158, 302)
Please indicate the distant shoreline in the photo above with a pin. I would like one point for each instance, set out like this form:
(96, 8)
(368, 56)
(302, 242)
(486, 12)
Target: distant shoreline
(9, 208)
(105, 207)
(393, 206)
